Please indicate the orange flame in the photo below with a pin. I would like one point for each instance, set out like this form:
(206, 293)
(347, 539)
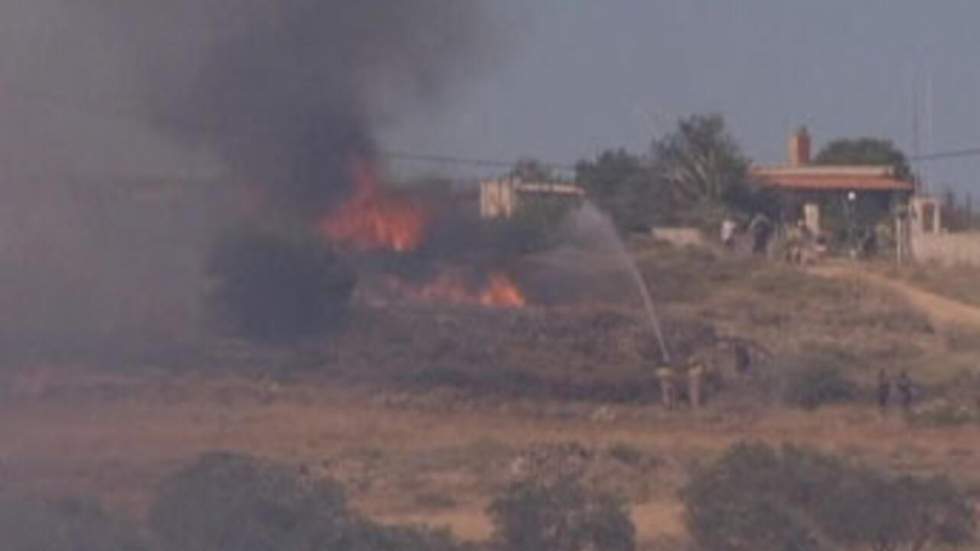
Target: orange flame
(372, 220)
(500, 291)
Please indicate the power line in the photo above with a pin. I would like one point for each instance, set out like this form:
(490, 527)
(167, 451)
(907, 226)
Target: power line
(129, 113)
(951, 154)
(445, 159)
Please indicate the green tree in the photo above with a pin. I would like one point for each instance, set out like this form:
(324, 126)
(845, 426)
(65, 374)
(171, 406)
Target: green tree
(703, 165)
(625, 186)
(560, 516)
(865, 151)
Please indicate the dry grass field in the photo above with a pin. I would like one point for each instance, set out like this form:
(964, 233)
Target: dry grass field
(426, 413)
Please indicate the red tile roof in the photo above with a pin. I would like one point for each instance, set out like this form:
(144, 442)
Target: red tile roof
(831, 179)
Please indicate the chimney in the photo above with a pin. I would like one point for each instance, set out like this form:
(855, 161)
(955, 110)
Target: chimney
(799, 148)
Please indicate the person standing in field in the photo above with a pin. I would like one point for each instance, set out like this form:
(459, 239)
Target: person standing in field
(906, 390)
(884, 390)
(695, 383)
(668, 387)
(761, 230)
(728, 233)
(743, 361)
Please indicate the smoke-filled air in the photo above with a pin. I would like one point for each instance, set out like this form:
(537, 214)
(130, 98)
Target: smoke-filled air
(142, 143)
(495, 275)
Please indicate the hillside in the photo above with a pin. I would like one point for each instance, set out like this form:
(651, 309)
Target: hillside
(426, 411)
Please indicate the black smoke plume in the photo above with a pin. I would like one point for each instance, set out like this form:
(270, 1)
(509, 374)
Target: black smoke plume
(135, 131)
(286, 93)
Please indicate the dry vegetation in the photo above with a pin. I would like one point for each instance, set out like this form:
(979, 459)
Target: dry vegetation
(957, 282)
(427, 413)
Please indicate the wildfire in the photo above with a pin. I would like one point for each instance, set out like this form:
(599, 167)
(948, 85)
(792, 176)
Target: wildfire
(376, 219)
(372, 219)
(499, 291)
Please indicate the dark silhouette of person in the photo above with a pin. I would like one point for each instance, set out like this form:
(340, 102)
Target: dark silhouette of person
(905, 389)
(884, 390)
(742, 359)
(761, 229)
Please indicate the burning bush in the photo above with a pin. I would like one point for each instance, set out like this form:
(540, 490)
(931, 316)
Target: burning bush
(271, 287)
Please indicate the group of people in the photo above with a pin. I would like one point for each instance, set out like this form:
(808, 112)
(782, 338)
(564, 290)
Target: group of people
(802, 245)
(695, 373)
(670, 381)
(903, 385)
(760, 229)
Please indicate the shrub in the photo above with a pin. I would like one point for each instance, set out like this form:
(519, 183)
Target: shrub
(226, 501)
(736, 505)
(363, 535)
(812, 385)
(67, 525)
(272, 287)
(943, 413)
(757, 498)
(535, 227)
(627, 454)
(560, 516)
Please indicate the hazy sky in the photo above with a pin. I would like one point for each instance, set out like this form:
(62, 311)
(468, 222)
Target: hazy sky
(576, 76)
(583, 75)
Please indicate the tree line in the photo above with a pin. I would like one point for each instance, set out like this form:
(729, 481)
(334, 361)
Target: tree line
(697, 174)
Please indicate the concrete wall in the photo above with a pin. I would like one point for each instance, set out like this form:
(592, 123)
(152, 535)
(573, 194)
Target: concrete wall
(946, 248)
(679, 237)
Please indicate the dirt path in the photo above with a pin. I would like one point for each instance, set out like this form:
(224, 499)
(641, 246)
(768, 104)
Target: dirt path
(939, 309)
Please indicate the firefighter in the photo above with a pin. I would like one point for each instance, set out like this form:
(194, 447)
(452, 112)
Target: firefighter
(668, 386)
(695, 383)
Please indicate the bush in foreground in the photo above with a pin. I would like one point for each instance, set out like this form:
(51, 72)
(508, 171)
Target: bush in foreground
(560, 516)
(761, 499)
(226, 501)
(67, 525)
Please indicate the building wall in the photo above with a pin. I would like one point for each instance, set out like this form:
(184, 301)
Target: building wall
(498, 198)
(502, 198)
(946, 248)
(679, 237)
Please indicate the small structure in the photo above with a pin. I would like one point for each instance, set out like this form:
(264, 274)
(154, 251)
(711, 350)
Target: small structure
(926, 215)
(933, 245)
(502, 198)
(850, 202)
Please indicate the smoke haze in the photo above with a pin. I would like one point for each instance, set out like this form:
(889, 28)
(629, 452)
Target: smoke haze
(132, 131)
